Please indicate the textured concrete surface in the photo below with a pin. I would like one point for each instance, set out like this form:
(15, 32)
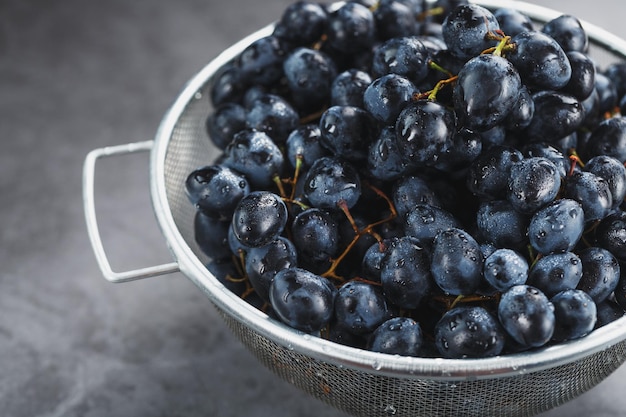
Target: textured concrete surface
(78, 75)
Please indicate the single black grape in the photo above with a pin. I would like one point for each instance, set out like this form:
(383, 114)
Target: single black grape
(224, 122)
(406, 56)
(425, 221)
(611, 234)
(351, 28)
(395, 19)
(592, 192)
(259, 218)
(457, 262)
(601, 273)
(488, 174)
(309, 74)
(568, 32)
(261, 62)
(361, 307)
(522, 112)
(302, 300)
(527, 315)
(302, 23)
(348, 87)
(237, 248)
(397, 336)
(465, 30)
(583, 79)
(556, 272)
(411, 190)
(384, 160)
(304, 143)
(612, 172)
(466, 146)
(273, 115)
(557, 227)
(216, 189)
(348, 131)
(540, 60)
(262, 263)
(487, 88)
(372, 260)
(505, 268)
(499, 223)
(533, 183)
(607, 312)
(616, 71)
(424, 130)
(607, 93)
(387, 96)
(255, 155)
(593, 117)
(330, 182)
(552, 152)
(211, 235)
(575, 315)
(555, 116)
(469, 332)
(405, 272)
(619, 293)
(608, 138)
(512, 21)
(315, 234)
(229, 85)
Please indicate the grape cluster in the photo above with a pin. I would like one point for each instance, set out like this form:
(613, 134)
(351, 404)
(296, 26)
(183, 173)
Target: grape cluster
(425, 180)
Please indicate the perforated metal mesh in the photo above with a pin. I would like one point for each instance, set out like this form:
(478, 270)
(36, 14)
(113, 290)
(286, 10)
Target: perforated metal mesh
(366, 394)
(357, 390)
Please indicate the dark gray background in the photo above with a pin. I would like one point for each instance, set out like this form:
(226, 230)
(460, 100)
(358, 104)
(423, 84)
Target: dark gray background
(77, 75)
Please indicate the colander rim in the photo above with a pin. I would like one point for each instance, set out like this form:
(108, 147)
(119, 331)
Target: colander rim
(330, 352)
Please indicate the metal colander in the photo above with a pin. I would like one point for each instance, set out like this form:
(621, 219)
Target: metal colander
(356, 381)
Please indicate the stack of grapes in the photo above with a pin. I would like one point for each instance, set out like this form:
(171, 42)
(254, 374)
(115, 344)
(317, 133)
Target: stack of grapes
(439, 180)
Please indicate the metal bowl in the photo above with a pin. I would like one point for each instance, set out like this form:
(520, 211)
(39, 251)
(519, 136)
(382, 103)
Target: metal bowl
(356, 381)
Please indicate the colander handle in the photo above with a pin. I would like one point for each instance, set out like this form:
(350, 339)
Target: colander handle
(92, 224)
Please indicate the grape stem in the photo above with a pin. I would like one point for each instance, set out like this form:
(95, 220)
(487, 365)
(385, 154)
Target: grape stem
(313, 116)
(279, 184)
(435, 11)
(432, 94)
(452, 301)
(369, 229)
(575, 160)
(240, 265)
(433, 65)
(296, 174)
(367, 281)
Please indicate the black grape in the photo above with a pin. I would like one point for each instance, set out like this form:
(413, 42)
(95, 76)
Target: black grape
(424, 130)
(487, 88)
(527, 315)
(465, 30)
(457, 262)
(259, 218)
(361, 307)
(331, 181)
(469, 332)
(540, 60)
(262, 263)
(575, 315)
(301, 299)
(397, 336)
(405, 272)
